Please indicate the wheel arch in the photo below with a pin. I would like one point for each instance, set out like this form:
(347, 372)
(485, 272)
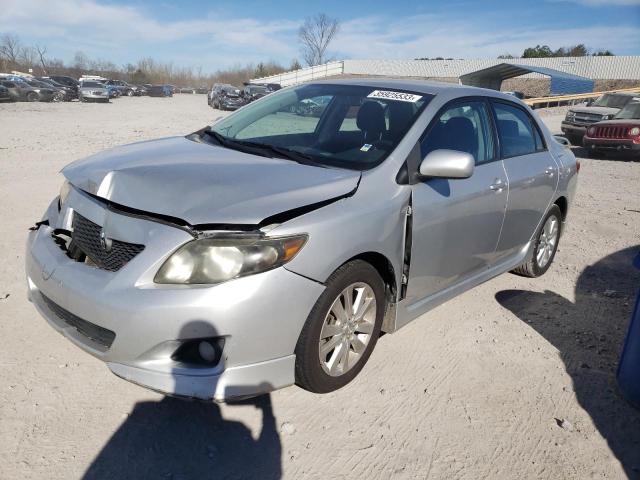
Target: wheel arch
(563, 205)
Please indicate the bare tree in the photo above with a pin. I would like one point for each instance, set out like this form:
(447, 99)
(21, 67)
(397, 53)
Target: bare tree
(10, 48)
(42, 51)
(315, 35)
(27, 57)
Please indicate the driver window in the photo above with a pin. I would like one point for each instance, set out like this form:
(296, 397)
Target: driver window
(463, 127)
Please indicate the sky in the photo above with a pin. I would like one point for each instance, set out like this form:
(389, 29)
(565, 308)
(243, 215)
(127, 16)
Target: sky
(214, 35)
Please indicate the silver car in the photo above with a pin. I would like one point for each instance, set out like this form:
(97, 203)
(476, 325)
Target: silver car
(90, 91)
(274, 247)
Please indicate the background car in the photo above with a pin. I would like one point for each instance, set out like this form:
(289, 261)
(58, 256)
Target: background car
(21, 91)
(45, 89)
(123, 88)
(160, 91)
(578, 119)
(70, 82)
(226, 97)
(621, 134)
(69, 92)
(92, 91)
(251, 93)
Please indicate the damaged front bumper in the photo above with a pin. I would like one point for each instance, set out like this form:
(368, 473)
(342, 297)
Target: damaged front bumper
(259, 316)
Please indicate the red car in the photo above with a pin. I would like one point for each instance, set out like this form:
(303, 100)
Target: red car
(621, 134)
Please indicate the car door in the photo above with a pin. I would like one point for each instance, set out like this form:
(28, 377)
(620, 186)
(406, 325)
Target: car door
(456, 223)
(532, 173)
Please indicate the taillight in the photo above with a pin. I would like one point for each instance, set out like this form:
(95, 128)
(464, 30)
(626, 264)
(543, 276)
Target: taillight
(577, 166)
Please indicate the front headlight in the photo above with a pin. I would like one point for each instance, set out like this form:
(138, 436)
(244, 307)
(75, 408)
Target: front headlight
(216, 260)
(65, 189)
(607, 117)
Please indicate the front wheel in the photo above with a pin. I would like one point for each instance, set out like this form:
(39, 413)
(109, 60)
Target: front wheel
(32, 97)
(342, 329)
(546, 245)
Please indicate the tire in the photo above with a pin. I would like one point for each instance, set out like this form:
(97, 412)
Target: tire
(331, 372)
(130, 93)
(541, 260)
(32, 97)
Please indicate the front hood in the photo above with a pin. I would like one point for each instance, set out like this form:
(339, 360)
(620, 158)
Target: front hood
(203, 184)
(598, 110)
(619, 122)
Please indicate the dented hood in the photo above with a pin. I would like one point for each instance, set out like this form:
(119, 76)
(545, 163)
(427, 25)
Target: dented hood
(202, 184)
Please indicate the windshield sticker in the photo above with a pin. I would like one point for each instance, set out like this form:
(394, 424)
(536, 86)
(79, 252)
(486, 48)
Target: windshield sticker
(400, 96)
(366, 147)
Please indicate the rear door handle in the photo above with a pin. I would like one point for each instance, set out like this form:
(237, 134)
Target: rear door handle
(497, 186)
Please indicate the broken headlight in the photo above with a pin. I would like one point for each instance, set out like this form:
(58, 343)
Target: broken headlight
(216, 260)
(65, 189)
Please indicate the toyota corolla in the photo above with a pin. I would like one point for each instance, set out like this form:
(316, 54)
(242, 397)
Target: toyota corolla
(273, 248)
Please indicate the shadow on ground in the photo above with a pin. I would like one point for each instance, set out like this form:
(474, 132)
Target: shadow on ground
(180, 440)
(589, 335)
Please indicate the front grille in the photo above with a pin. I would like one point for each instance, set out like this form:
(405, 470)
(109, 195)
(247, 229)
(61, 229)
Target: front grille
(619, 132)
(105, 253)
(586, 118)
(102, 336)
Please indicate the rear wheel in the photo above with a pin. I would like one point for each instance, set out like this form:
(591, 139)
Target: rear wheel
(546, 245)
(32, 97)
(342, 329)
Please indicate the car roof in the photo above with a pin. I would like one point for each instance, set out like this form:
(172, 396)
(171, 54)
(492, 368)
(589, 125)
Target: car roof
(419, 86)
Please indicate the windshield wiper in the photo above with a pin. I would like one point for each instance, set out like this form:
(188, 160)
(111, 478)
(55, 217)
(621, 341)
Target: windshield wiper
(264, 149)
(235, 144)
(290, 154)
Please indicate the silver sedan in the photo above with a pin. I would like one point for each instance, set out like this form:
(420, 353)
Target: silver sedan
(90, 91)
(275, 246)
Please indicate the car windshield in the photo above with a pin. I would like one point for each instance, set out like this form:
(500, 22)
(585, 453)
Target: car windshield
(631, 111)
(253, 90)
(230, 89)
(611, 101)
(345, 126)
(92, 84)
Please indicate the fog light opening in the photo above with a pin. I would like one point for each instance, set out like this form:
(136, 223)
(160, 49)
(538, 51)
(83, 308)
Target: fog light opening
(201, 352)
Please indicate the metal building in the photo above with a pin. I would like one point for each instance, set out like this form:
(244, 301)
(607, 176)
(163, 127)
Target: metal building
(562, 83)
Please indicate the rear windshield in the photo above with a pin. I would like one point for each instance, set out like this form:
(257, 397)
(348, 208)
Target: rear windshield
(348, 126)
(92, 84)
(612, 101)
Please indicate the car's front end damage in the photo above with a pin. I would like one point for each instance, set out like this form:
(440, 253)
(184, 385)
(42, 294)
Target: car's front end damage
(94, 264)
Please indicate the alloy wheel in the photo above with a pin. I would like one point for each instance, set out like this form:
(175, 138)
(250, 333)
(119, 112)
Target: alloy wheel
(347, 329)
(548, 241)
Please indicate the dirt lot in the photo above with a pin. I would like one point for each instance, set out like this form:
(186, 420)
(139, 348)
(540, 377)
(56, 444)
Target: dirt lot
(514, 379)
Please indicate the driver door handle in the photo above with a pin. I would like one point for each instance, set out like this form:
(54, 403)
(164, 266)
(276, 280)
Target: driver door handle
(497, 185)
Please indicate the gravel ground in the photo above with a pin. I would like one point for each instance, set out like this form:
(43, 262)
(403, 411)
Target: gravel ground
(514, 379)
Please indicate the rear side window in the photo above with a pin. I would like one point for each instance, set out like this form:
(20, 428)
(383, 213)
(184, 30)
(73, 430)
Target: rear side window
(517, 134)
(464, 127)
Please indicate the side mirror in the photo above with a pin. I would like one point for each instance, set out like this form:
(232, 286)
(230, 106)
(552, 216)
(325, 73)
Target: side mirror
(562, 141)
(447, 164)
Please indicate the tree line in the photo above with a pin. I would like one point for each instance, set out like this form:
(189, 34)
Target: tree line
(544, 51)
(16, 56)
